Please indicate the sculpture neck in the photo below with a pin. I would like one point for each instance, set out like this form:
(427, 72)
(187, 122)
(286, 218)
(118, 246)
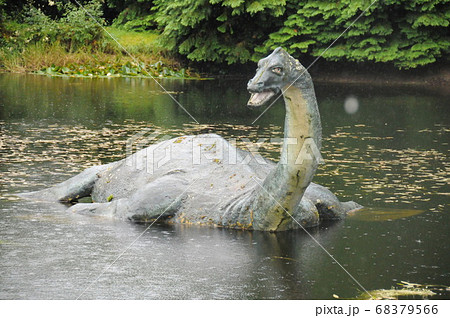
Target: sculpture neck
(298, 162)
(302, 130)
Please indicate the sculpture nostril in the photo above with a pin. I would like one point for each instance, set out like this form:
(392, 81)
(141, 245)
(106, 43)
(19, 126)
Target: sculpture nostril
(255, 86)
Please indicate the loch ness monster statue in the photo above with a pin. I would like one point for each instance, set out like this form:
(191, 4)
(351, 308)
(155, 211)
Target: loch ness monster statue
(230, 191)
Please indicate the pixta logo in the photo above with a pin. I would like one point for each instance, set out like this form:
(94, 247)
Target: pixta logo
(150, 150)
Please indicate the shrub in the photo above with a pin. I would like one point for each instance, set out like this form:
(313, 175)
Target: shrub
(79, 28)
(75, 29)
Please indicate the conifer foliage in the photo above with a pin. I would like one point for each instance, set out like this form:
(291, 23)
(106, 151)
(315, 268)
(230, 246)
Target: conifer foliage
(407, 33)
(217, 30)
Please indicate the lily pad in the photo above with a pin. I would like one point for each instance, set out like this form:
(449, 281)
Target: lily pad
(128, 69)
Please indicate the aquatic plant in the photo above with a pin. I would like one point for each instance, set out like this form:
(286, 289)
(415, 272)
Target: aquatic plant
(406, 290)
(128, 69)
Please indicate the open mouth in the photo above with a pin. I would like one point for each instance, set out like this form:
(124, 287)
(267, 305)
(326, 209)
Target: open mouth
(259, 99)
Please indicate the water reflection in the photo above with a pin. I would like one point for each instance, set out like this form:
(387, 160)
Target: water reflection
(61, 254)
(390, 154)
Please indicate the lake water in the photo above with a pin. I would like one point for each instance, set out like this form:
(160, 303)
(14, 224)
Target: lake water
(384, 148)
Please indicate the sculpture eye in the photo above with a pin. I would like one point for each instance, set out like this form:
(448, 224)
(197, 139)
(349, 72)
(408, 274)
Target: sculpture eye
(277, 70)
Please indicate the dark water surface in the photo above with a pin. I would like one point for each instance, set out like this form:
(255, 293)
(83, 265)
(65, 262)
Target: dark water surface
(390, 155)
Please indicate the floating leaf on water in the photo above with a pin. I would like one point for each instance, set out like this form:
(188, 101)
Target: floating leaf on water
(285, 258)
(395, 294)
(407, 291)
(409, 285)
(382, 214)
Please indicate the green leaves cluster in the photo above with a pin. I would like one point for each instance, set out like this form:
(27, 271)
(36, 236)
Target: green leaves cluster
(134, 15)
(406, 33)
(2, 23)
(217, 30)
(74, 29)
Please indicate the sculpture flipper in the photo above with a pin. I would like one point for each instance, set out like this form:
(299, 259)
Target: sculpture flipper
(70, 190)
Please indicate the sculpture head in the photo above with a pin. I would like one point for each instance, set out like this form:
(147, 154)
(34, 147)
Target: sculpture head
(275, 72)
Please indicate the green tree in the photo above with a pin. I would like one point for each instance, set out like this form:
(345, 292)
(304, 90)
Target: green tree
(217, 30)
(407, 33)
(136, 15)
(2, 21)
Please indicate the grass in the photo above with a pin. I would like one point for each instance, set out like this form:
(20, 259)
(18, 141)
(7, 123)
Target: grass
(136, 42)
(35, 57)
(39, 57)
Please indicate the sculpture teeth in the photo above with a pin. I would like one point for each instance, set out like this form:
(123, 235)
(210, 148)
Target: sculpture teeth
(258, 99)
